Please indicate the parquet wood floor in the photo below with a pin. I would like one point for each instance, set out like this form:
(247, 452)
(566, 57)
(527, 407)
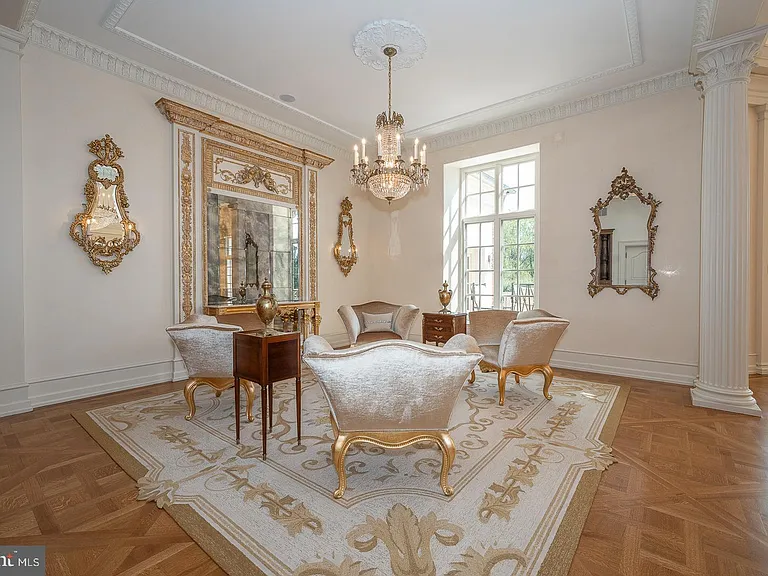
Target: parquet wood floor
(688, 496)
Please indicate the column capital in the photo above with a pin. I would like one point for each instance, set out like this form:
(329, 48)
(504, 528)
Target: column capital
(11, 40)
(727, 59)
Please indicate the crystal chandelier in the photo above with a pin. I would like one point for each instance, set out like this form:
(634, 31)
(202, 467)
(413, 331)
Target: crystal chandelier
(389, 178)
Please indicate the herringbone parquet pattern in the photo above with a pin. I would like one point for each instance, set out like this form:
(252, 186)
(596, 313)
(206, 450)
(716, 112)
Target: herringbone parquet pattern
(688, 496)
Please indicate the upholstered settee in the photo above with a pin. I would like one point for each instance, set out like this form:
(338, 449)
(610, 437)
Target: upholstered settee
(517, 343)
(362, 332)
(392, 394)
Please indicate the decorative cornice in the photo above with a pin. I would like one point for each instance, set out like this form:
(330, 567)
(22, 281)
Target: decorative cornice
(28, 14)
(636, 55)
(120, 7)
(11, 40)
(82, 51)
(703, 21)
(727, 59)
(621, 95)
(208, 124)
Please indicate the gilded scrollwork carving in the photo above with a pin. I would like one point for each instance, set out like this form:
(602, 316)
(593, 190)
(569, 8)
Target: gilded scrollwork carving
(345, 250)
(623, 187)
(187, 204)
(313, 235)
(103, 229)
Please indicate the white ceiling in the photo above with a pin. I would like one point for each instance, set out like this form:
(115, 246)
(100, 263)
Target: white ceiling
(497, 58)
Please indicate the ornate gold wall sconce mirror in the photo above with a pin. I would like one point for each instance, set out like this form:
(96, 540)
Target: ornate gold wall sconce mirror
(624, 239)
(345, 250)
(104, 230)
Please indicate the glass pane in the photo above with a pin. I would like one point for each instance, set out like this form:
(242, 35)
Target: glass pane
(487, 204)
(526, 282)
(473, 235)
(526, 257)
(486, 282)
(486, 234)
(527, 173)
(508, 281)
(472, 184)
(527, 198)
(473, 282)
(526, 230)
(509, 232)
(472, 206)
(509, 201)
(509, 258)
(488, 181)
(509, 176)
(486, 302)
(486, 258)
(473, 258)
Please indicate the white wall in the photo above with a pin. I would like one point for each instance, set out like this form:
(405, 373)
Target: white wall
(13, 390)
(658, 139)
(85, 332)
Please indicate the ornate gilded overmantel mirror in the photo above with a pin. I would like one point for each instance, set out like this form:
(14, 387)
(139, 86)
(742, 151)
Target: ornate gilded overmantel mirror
(345, 250)
(104, 230)
(624, 239)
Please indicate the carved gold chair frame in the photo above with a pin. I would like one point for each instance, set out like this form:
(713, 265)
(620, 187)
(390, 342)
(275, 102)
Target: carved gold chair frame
(622, 187)
(105, 171)
(345, 224)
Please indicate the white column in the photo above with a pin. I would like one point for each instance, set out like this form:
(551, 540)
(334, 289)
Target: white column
(13, 388)
(724, 66)
(762, 190)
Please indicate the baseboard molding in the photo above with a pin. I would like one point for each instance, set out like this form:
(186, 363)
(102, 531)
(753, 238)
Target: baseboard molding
(14, 399)
(56, 390)
(761, 369)
(752, 364)
(179, 370)
(656, 370)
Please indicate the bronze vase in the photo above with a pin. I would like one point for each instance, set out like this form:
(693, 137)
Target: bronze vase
(445, 296)
(266, 305)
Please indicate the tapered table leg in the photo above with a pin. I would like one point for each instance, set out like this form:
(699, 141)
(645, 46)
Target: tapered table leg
(264, 416)
(298, 407)
(237, 410)
(271, 394)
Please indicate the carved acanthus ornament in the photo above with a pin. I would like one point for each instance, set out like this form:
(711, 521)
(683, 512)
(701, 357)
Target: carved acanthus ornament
(731, 63)
(187, 204)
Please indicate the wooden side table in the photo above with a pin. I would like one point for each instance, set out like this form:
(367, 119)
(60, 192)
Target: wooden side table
(265, 357)
(438, 327)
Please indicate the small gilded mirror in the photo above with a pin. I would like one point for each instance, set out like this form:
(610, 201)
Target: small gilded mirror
(103, 230)
(624, 239)
(345, 250)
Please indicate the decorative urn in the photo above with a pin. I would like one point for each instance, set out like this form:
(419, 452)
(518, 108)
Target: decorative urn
(445, 296)
(266, 305)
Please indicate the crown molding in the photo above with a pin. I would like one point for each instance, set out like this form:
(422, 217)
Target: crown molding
(11, 40)
(703, 21)
(599, 101)
(111, 23)
(636, 59)
(28, 14)
(83, 51)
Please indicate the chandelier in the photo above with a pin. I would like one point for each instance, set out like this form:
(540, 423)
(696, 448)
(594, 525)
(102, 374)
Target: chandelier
(389, 178)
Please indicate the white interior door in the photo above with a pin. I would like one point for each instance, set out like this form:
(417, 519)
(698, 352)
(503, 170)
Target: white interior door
(635, 264)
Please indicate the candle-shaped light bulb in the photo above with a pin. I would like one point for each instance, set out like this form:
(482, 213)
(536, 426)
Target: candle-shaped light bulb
(363, 153)
(357, 156)
(416, 147)
(411, 159)
(424, 155)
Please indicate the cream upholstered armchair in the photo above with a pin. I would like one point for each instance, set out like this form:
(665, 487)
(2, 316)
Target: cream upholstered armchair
(392, 394)
(374, 321)
(206, 348)
(517, 343)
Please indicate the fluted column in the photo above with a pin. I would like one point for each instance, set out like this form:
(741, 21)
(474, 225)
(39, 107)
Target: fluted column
(724, 66)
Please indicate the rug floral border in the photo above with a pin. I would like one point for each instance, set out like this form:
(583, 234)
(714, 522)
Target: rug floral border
(556, 563)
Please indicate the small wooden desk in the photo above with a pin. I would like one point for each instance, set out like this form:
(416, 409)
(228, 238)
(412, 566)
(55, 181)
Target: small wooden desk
(441, 326)
(264, 357)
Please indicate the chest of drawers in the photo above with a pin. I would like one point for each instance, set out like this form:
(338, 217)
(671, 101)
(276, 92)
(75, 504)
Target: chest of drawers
(438, 327)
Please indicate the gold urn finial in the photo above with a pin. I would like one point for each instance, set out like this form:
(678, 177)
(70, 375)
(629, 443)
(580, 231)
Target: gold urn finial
(445, 296)
(266, 306)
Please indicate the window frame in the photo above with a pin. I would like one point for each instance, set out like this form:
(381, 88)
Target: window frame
(497, 219)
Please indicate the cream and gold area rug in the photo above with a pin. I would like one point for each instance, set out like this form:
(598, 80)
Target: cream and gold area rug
(524, 478)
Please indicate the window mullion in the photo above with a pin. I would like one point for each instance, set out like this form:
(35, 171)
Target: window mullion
(497, 244)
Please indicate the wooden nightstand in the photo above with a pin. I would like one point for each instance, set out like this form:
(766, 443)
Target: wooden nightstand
(438, 327)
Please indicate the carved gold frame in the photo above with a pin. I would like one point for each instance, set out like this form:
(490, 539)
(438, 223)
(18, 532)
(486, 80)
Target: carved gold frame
(107, 254)
(622, 187)
(345, 221)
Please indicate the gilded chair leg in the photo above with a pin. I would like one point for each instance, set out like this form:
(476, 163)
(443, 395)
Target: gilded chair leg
(548, 375)
(218, 393)
(189, 395)
(472, 377)
(338, 452)
(250, 396)
(517, 378)
(502, 385)
(449, 453)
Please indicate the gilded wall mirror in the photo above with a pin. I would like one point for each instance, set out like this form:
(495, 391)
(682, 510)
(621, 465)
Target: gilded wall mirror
(345, 250)
(624, 239)
(104, 230)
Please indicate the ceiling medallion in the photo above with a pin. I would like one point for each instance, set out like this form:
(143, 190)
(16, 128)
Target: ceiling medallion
(406, 38)
(390, 178)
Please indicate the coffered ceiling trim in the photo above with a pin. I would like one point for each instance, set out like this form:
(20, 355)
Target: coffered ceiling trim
(82, 51)
(703, 21)
(636, 59)
(119, 9)
(621, 95)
